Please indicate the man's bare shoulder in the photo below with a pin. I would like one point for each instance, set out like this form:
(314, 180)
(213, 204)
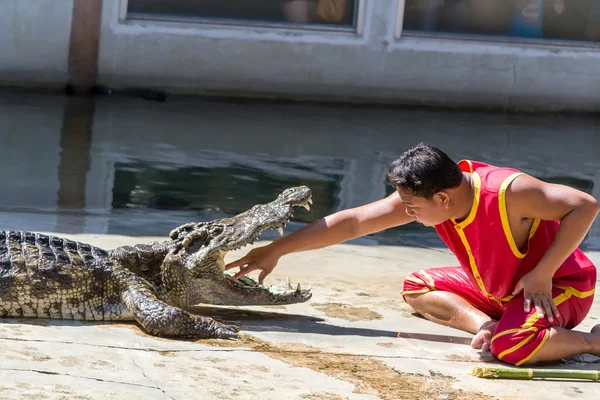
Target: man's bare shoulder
(530, 197)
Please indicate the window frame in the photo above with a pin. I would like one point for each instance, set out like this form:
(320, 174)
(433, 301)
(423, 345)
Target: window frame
(357, 28)
(401, 33)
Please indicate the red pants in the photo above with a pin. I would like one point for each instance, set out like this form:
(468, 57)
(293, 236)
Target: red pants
(519, 335)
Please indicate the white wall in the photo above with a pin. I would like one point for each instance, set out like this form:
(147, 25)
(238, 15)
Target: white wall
(34, 41)
(374, 65)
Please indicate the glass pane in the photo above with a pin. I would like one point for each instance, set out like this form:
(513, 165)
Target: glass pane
(336, 12)
(537, 19)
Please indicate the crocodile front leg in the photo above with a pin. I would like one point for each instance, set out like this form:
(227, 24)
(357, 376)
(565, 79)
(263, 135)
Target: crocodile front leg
(161, 319)
(142, 259)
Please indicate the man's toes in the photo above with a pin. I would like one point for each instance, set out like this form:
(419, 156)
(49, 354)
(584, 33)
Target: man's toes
(482, 340)
(477, 341)
(596, 330)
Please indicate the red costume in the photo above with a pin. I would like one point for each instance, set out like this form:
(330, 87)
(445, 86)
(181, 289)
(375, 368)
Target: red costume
(491, 265)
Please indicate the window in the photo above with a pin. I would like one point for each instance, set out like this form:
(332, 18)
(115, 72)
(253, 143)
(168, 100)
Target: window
(333, 13)
(571, 20)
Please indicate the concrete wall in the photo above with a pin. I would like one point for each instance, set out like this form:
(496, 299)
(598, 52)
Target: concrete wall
(372, 65)
(34, 41)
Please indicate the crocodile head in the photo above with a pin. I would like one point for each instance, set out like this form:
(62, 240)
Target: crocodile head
(205, 244)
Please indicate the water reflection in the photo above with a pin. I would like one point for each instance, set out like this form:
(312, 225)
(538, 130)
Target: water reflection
(74, 155)
(128, 166)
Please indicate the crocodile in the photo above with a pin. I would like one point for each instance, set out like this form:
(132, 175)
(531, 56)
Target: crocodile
(46, 276)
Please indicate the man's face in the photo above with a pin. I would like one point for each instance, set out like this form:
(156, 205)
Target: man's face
(428, 212)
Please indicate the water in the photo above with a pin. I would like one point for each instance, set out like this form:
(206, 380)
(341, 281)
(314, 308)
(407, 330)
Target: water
(123, 165)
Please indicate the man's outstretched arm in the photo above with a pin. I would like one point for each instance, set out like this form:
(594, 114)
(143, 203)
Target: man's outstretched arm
(532, 198)
(332, 229)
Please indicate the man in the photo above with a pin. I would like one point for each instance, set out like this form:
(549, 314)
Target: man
(522, 283)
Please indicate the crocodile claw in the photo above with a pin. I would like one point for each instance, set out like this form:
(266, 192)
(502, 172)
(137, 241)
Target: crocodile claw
(225, 333)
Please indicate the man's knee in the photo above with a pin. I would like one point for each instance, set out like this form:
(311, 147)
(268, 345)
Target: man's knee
(517, 346)
(413, 288)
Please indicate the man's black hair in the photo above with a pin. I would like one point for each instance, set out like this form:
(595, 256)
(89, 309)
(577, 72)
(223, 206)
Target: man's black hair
(425, 170)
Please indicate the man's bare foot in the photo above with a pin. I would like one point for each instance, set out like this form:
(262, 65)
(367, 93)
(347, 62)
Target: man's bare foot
(483, 339)
(596, 330)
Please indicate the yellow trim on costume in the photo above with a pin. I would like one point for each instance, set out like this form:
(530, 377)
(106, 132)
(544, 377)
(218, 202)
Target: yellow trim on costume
(570, 291)
(429, 278)
(516, 347)
(534, 352)
(534, 227)
(473, 264)
(459, 229)
(417, 291)
(507, 299)
(460, 226)
(504, 215)
(514, 330)
(533, 318)
(469, 163)
(415, 279)
(474, 207)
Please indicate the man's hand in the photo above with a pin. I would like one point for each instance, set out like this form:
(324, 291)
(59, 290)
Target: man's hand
(260, 258)
(537, 289)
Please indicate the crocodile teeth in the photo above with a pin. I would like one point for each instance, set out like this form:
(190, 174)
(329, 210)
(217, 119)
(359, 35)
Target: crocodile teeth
(289, 285)
(280, 230)
(306, 206)
(310, 201)
(298, 289)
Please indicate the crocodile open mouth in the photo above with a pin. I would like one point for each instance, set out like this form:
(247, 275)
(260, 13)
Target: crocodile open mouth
(285, 290)
(209, 242)
(275, 216)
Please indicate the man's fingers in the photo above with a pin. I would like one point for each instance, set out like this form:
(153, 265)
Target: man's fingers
(527, 305)
(263, 274)
(547, 308)
(538, 306)
(554, 309)
(551, 309)
(244, 271)
(543, 305)
(237, 263)
(518, 288)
